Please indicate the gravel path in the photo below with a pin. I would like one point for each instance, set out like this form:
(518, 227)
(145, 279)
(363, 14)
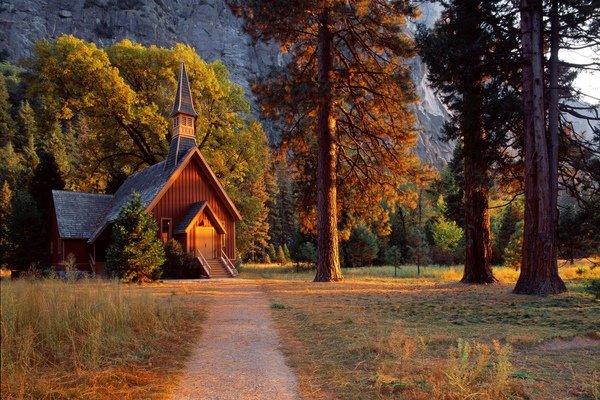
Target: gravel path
(238, 355)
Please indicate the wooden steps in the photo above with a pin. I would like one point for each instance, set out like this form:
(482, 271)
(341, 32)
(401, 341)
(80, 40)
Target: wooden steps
(218, 268)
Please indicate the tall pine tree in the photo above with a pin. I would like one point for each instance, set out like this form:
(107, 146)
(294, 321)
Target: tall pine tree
(27, 233)
(27, 124)
(467, 52)
(344, 97)
(5, 212)
(7, 124)
(46, 177)
(539, 267)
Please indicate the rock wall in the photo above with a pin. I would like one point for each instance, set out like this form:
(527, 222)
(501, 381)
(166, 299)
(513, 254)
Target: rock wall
(207, 25)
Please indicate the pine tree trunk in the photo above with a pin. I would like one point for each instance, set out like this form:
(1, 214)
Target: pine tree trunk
(478, 249)
(328, 262)
(539, 268)
(553, 118)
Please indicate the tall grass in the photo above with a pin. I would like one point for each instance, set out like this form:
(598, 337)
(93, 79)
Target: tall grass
(54, 328)
(410, 368)
(581, 270)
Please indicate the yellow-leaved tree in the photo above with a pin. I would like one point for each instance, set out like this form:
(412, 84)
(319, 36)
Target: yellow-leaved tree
(113, 104)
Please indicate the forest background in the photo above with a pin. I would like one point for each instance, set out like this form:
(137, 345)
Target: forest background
(77, 117)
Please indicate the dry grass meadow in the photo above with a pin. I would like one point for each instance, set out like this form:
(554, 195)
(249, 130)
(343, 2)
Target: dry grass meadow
(375, 336)
(94, 339)
(372, 336)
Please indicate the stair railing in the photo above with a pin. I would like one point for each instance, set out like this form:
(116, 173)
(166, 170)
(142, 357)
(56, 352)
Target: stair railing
(203, 262)
(228, 264)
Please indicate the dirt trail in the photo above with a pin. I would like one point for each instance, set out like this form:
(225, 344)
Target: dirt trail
(238, 355)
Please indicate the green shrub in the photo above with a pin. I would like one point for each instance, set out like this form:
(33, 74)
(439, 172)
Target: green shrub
(136, 252)
(178, 263)
(393, 255)
(473, 370)
(238, 264)
(594, 288)
(281, 259)
(512, 253)
(446, 234)
(307, 252)
(271, 253)
(362, 246)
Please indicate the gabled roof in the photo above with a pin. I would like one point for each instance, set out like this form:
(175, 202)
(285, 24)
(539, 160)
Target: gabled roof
(189, 216)
(147, 182)
(77, 213)
(192, 215)
(194, 153)
(152, 183)
(183, 97)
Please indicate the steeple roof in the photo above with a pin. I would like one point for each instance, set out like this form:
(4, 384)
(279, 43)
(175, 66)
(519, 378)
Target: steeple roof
(183, 97)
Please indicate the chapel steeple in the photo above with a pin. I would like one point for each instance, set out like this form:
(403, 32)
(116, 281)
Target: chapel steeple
(184, 118)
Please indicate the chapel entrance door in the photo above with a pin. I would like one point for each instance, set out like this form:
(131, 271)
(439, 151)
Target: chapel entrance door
(205, 241)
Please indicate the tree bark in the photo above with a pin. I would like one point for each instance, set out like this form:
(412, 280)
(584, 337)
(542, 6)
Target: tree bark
(539, 267)
(328, 262)
(553, 118)
(478, 249)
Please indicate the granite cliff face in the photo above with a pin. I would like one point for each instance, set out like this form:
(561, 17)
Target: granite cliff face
(207, 25)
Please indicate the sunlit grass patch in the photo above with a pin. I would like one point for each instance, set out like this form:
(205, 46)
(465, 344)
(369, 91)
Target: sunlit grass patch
(384, 337)
(576, 275)
(88, 339)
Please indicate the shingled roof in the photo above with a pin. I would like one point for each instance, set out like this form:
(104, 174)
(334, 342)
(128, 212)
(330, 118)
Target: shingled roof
(178, 148)
(193, 212)
(77, 213)
(147, 182)
(183, 97)
(189, 216)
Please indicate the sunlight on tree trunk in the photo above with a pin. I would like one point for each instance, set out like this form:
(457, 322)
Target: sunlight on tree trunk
(539, 269)
(328, 264)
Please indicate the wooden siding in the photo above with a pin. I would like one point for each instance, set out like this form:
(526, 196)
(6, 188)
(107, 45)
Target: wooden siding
(190, 187)
(79, 248)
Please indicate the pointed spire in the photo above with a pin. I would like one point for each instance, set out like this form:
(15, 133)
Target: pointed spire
(183, 97)
(184, 116)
